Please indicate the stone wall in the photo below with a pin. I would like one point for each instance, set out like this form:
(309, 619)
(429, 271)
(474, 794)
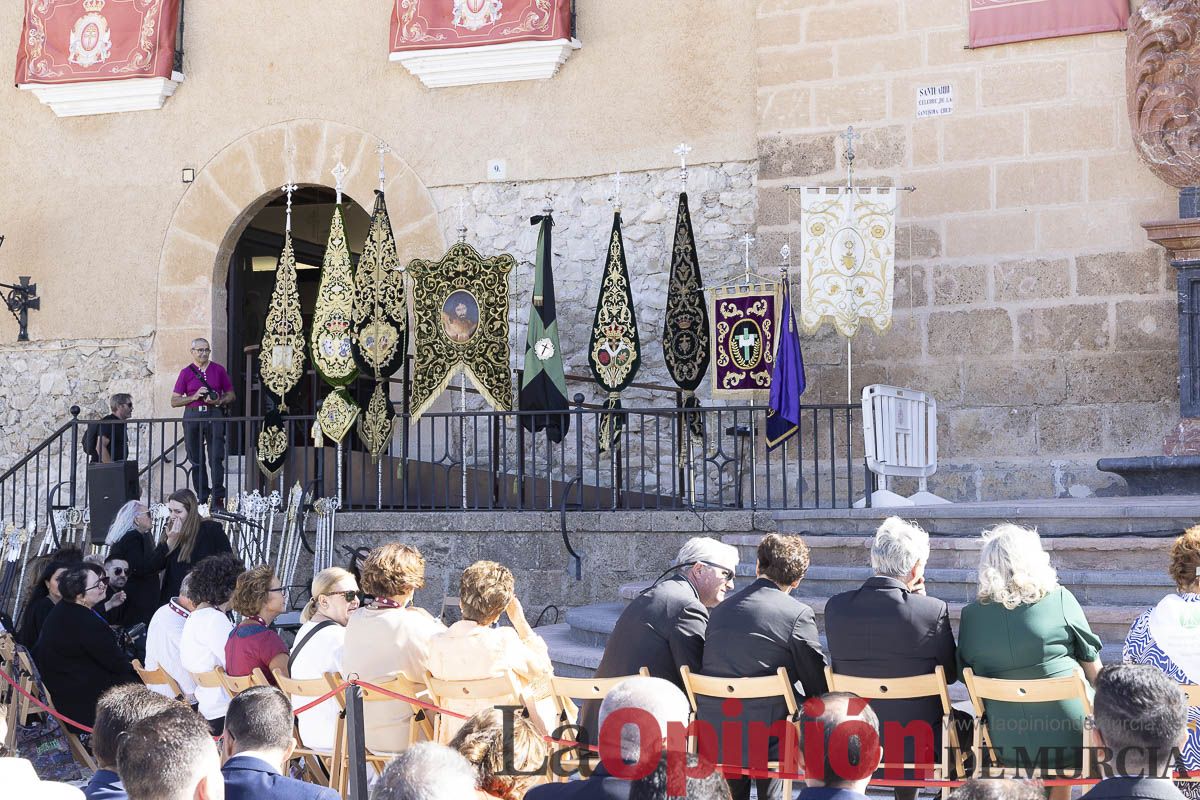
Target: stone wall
(616, 547)
(1028, 299)
(42, 380)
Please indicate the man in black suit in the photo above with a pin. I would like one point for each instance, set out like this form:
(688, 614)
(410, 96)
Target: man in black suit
(754, 633)
(654, 696)
(1141, 716)
(889, 628)
(663, 628)
(840, 775)
(257, 746)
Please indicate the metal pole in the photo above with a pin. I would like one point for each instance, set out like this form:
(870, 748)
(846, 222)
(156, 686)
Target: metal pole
(849, 372)
(74, 451)
(356, 744)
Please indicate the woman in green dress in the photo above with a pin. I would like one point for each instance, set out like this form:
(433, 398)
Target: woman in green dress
(1024, 625)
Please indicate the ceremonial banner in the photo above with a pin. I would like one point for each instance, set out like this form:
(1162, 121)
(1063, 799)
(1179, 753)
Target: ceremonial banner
(336, 415)
(848, 257)
(380, 338)
(438, 24)
(460, 308)
(686, 335)
(746, 322)
(1000, 21)
(272, 445)
(281, 358)
(376, 423)
(787, 380)
(331, 337)
(77, 41)
(543, 383)
(614, 349)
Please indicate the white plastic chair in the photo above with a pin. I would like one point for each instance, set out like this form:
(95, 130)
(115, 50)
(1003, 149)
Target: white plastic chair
(900, 434)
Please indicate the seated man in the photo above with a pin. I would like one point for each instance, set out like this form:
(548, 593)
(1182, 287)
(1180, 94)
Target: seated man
(258, 744)
(823, 717)
(162, 640)
(752, 634)
(889, 628)
(663, 628)
(170, 756)
(427, 771)
(662, 700)
(118, 710)
(1141, 717)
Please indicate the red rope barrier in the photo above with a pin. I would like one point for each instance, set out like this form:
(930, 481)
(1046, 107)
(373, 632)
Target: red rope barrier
(43, 706)
(330, 694)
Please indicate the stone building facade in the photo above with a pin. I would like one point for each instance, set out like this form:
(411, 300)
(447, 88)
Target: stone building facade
(1028, 300)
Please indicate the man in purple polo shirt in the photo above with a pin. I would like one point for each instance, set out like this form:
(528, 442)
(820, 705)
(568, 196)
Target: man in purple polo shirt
(204, 391)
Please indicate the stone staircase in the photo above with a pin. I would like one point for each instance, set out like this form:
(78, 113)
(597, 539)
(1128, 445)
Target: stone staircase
(1115, 576)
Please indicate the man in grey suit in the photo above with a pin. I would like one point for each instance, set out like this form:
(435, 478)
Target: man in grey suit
(754, 633)
(889, 628)
(663, 628)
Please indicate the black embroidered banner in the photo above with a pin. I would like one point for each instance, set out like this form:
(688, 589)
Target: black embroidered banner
(614, 350)
(685, 330)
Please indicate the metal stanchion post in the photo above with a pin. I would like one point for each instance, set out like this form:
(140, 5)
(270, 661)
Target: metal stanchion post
(355, 744)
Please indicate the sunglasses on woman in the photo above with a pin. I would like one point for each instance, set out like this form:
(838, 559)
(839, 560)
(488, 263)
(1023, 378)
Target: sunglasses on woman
(350, 595)
(97, 584)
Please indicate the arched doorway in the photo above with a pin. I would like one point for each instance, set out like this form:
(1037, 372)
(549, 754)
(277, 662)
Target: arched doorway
(231, 190)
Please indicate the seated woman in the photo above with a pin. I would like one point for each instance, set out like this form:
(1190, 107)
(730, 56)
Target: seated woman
(318, 649)
(207, 629)
(129, 539)
(481, 741)
(189, 540)
(1165, 637)
(471, 649)
(1025, 625)
(44, 594)
(77, 652)
(389, 638)
(259, 597)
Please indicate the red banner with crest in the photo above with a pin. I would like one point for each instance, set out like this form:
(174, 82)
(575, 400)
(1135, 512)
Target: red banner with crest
(77, 41)
(444, 24)
(1003, 21)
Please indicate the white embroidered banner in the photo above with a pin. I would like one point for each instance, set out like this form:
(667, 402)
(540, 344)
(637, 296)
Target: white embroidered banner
(848, 257)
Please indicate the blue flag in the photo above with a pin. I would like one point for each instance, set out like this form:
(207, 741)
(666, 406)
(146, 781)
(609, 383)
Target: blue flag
(787, 381)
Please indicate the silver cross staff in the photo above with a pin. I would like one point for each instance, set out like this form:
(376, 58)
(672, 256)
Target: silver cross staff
(339, 174)
(850, 136)
(462, 225)
(682, 151)
(616, 198)
(747, 240)
(382, 149)
(289, 188)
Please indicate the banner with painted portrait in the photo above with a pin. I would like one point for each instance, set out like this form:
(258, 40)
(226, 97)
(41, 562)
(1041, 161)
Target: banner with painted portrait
(745, 329)
(81, 41)
(460, 310)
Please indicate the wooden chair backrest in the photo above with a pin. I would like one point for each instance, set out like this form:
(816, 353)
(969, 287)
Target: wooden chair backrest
(588, 688)
(931, 685)
(311, 687)
(397, 685)
(78, 751)
(1193, 693)
(157, 677)
(776, 685)
(236, 684)
(503, 687)
(1040, 690)
(213, 679)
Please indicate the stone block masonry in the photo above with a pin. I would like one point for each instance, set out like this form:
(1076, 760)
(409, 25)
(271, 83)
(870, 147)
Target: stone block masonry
(1028, 298)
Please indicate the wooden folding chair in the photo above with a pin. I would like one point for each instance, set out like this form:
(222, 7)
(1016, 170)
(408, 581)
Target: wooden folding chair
(908, 688)
(20, 709)
(78, 751)
(568, 690)
(159, 677)
(776, 685)
(502, 690)
(213, 679)
(236, 684)
(1040, 690)
(419, 729)
(319, 762)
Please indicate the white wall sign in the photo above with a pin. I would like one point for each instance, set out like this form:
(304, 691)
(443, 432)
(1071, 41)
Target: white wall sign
(935, 101)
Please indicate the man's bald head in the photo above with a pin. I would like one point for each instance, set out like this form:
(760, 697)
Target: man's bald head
(850, 741)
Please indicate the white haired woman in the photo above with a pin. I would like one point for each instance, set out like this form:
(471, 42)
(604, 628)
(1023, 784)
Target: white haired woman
(129, 539)
(318, 649)
(1025, 625)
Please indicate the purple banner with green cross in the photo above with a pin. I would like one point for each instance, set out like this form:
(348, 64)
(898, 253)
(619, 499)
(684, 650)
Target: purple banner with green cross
(745, 327)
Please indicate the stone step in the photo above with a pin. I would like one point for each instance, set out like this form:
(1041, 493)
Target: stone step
(1092, 516)
(956, 552)
(570, 658)
(1117, 587)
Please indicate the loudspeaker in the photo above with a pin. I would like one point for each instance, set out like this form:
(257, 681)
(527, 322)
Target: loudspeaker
(110, 486)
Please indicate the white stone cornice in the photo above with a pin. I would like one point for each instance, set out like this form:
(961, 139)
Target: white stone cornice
(105, 97)
(491, 63)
